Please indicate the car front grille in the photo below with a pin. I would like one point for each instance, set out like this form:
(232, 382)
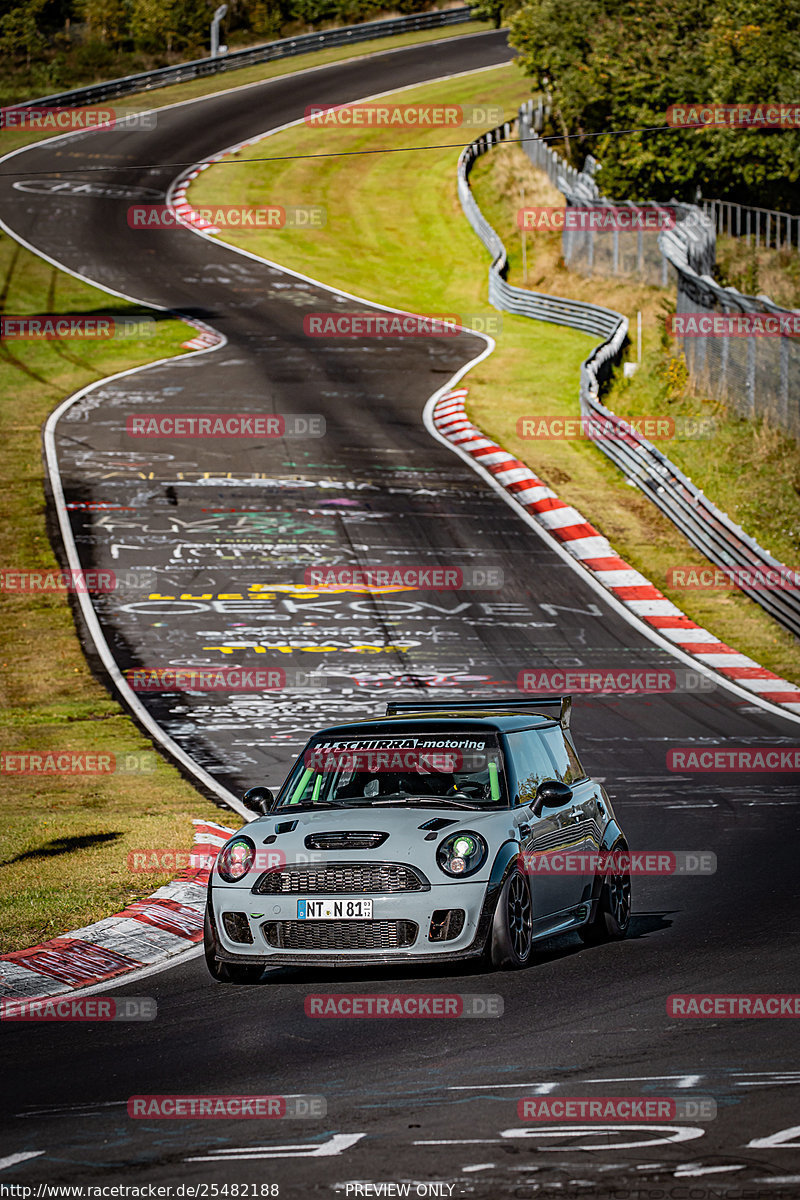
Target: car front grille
(340, 935)
(335, 879)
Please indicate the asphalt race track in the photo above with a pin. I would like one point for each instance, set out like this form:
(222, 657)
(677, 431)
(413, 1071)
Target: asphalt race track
(227, 527)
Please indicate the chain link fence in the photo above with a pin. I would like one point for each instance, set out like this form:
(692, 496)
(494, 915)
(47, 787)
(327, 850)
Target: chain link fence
(608, 238)
(743, 350)
(750, 358)
(760, 227)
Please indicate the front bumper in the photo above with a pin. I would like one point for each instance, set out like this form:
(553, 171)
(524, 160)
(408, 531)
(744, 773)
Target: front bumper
(475, 899)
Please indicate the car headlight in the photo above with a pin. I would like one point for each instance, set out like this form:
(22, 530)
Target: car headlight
(236, 859)
(461, 854)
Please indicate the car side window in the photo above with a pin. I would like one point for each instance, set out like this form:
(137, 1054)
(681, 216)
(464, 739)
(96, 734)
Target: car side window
(568, 767)
(531, 764)
(574, 762)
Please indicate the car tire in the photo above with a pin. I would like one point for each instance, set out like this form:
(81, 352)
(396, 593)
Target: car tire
(225, 972)
(612, 915)
(511, 945)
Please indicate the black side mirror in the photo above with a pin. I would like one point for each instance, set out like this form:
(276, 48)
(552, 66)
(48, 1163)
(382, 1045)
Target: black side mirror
(258, 800)
(551, 793)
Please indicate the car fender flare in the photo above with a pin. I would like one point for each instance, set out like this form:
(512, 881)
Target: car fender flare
(504, 862)
(210, 914)
(612, 834)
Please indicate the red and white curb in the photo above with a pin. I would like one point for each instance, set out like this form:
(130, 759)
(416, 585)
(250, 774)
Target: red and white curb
(188, 215)
(193, 219)
(205, 339)
(178, 201)
(586, 544)
(146, 932)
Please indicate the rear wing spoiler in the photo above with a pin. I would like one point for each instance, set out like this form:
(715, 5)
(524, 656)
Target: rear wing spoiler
(554, 708)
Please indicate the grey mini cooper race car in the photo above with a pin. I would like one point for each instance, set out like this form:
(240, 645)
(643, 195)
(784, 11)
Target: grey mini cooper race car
(438, 832)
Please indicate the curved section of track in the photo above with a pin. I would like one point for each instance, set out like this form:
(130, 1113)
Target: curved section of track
(229, 527)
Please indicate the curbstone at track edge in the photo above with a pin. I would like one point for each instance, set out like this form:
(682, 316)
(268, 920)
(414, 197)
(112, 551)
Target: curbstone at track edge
(147, 932)
(594, 553)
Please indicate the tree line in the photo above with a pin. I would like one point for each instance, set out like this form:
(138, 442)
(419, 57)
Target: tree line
(52, 45)
(610, 66)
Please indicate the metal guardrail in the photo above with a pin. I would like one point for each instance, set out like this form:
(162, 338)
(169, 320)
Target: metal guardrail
(740, 220)
(706, 526)
(284, 48)
(590, 318)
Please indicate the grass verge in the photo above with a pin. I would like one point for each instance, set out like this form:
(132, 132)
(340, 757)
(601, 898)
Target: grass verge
(396, 234)
(759, 271)
(64, 839)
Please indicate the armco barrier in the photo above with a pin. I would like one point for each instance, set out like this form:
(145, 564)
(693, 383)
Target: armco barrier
(705, 525)
(285, 48)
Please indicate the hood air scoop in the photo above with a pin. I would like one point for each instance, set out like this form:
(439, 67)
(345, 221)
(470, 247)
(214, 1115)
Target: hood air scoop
(356, 839)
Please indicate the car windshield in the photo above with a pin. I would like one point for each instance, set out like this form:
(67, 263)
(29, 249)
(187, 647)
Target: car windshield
(451, 771)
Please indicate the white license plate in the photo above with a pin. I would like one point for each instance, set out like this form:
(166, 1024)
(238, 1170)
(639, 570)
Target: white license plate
(334, 910)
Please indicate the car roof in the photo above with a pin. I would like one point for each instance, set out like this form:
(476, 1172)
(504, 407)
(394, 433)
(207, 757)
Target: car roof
(442, 722)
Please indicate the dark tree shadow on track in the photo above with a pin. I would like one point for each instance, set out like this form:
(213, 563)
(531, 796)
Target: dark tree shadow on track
(65, 845)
